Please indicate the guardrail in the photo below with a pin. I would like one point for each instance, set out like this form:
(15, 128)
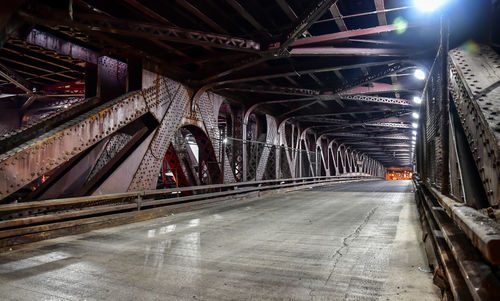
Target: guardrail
(465, 241)
(27, 222)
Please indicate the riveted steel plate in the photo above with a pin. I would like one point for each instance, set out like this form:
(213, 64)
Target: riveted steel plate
(38, 156)
(475, 86)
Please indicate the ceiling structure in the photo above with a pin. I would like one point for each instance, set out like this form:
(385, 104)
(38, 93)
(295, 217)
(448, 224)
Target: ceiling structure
(343, 68)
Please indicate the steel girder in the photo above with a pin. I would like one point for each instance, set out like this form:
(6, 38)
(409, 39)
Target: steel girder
(475, 86)
(31, 160)
(274, 90)
(315, 11)
(378, 88)
(347, 34)
(146, 30)
(61, 46)
(348, 51)
(308, 71)
(377, 99)
(389, 125)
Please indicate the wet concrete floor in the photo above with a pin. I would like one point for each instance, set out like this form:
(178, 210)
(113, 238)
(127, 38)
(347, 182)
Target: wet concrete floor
(357, 241)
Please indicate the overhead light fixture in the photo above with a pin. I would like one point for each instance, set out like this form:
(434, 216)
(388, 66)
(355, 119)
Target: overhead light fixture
(415, 115)
(224, 141)
(419, 74)
(414, 132)
(417, 100)
(415, 125)
(413, 138)
(429, 6)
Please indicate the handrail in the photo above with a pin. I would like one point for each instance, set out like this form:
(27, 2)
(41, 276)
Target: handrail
(154, 193)
(483, 232)
(473, 270)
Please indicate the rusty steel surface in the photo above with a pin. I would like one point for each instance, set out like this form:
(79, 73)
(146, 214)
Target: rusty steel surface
(482, 231)
(474, 84)
(480, 278)
(34, 158)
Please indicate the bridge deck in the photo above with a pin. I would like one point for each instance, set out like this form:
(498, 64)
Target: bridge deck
(357, 241)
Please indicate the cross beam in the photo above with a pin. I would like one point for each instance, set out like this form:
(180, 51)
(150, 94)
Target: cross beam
(147, 30)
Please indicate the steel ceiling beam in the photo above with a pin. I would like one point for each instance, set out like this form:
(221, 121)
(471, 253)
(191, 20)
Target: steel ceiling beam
(347, 34)
(377, 88)
(147, 11)
(59, 45)
(274, 90)
(287, 9)
(334, 10)
(348, 51)
(15, 79)
(377, 99)
(379, 6)
(148, 30)
(315, 11)
(389, 125)
(365, 14)
(194, 10)
(247, 16)
(306, 71)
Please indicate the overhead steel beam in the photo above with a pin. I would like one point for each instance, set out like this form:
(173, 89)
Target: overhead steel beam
(15, 79)
(348, 51)
(306, 71)
(287, 9)
(334, 95)
(315, 11)
(393, 137)
(365, 13)
(389, 125)
(379, 6)
(147, 11)
(274, 90)
(354, 110)
(347, 34)
(334, 10)
(299, 108)
(316, 79)
(323, 120)
(147, 30)
(247, 16)
(193, 9)
(59, 45)
(376, 99)
(377, 88)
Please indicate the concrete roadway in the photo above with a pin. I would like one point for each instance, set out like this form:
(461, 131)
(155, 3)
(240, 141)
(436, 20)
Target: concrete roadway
(357, 241)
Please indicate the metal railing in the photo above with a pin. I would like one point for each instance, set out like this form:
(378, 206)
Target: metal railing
(465, 245)
(31, 221)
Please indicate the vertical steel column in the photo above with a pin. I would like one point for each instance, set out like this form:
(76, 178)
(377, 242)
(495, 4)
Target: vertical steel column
(445, 107)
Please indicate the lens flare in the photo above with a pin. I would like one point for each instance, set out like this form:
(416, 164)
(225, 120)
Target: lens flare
(401, 25)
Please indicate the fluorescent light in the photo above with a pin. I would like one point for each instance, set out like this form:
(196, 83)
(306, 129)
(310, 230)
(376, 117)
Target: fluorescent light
(415, 125)
(224, 141)
(415, 115)
(417, 100)
(414, 138)
(429, 6)
(414, 132)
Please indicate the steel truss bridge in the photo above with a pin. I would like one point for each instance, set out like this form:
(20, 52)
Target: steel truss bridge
(121, 111)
